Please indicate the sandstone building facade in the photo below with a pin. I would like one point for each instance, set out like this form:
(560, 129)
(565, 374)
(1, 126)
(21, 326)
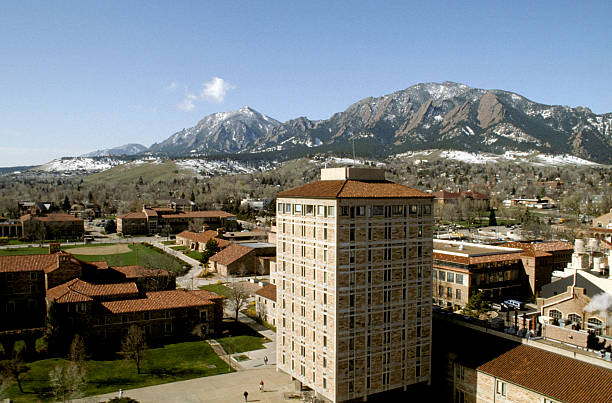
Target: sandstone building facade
(353, 284)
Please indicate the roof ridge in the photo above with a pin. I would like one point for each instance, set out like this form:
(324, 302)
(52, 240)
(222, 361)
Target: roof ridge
(341, 187)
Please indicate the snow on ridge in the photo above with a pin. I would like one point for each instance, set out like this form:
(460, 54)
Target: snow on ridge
(79, 164)
(533, 158)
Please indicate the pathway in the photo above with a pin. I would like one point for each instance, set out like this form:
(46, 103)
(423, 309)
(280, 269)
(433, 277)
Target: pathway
(225, 388)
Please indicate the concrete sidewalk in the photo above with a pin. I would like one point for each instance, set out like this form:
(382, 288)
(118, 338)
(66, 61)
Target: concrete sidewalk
(226, 388)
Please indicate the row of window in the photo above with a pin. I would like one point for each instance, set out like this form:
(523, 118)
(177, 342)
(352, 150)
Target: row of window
(300, 209)
(593, 324)
(449, 294)
(448, 276)
(306, 209)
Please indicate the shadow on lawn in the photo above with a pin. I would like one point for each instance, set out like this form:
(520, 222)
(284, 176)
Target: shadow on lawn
(238, 329)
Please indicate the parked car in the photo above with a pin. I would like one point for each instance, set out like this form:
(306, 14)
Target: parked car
(514, 304)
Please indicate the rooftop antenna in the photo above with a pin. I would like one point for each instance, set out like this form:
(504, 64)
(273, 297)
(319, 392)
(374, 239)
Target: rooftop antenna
(354, 159)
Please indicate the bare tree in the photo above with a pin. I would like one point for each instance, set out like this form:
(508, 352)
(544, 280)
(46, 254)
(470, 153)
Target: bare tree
(66, 380)
(134, 346)
(196, 225)
(78, 354)
(12, 369)
(237, 297)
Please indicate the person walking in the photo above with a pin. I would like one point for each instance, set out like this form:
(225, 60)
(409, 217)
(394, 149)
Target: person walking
(246, 396)
(266, 360)
(261, 385)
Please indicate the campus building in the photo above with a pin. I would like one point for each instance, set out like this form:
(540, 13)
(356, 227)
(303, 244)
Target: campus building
(172, 220)
(353, 284)
(462, 269)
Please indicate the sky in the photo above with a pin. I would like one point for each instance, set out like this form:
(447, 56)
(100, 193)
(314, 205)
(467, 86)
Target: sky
(77, 76)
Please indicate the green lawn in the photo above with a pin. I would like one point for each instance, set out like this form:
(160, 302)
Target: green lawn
(178, 247)
(24, 251)
(194, 254)
(171, 363)
(217, 289)
(141, 254)
(239, 337)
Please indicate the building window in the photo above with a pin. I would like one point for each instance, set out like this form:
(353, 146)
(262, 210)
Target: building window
(458, 293)
(321, 211)
(352, 233)
(442, 275)
(297, 209)
(459, 396)
(450, 277)
(459, 278)
(330, 211)
(501, 388)
(553, 313)
(595, 325)
(460, 372)
(360, 210)
(449, 292)
(575, 318)
(309, 209)
(344, 211)
(378, 210)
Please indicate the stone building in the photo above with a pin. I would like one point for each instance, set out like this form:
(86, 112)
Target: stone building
(52, 226)
(353, 284)
(165, 220)
(540, 260)
(462, 269)
(265, 303)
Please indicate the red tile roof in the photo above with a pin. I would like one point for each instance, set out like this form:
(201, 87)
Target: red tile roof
(268, 291)
(540, 249)
(558, 377)
(502, 257)
(133, 215)
(78, 290)
(200, 214)
(347, 189)
(203, 237)
(52, 217)
(133, 272)
(27, 263)
(159, 300)
(230, 254)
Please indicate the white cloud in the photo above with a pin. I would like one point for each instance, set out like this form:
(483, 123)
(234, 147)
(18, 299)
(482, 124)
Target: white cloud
(173, 85)
(215, 89)
(187, 105)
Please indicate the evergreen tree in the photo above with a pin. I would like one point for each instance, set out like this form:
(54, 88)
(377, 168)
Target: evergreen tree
(492, 218)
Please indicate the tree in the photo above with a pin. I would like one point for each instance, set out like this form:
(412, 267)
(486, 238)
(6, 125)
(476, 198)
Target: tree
(66, 380)
(477, 304)
(110, 227)
(492, 219)
(66, 204)
(134, 347)
(78, 352)
(237, 297)
(13, 368)
(211, 248)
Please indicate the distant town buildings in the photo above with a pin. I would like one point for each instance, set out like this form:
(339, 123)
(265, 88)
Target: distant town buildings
(478, 201)
(353, 284)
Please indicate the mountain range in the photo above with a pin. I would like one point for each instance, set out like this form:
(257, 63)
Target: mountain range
(425, 116)
(126, 149)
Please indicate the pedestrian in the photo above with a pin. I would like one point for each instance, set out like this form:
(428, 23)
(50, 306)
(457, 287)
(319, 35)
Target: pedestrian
(266, 360)
(120, 393)
(246, 396)
(261, 384)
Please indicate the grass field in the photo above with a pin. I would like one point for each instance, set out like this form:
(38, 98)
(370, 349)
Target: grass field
(141, 254)
(173, 362)
(240, 338)
(24, 251)
(217, 289)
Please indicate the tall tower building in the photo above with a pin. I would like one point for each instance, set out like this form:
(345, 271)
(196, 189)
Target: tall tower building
(354, 287)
